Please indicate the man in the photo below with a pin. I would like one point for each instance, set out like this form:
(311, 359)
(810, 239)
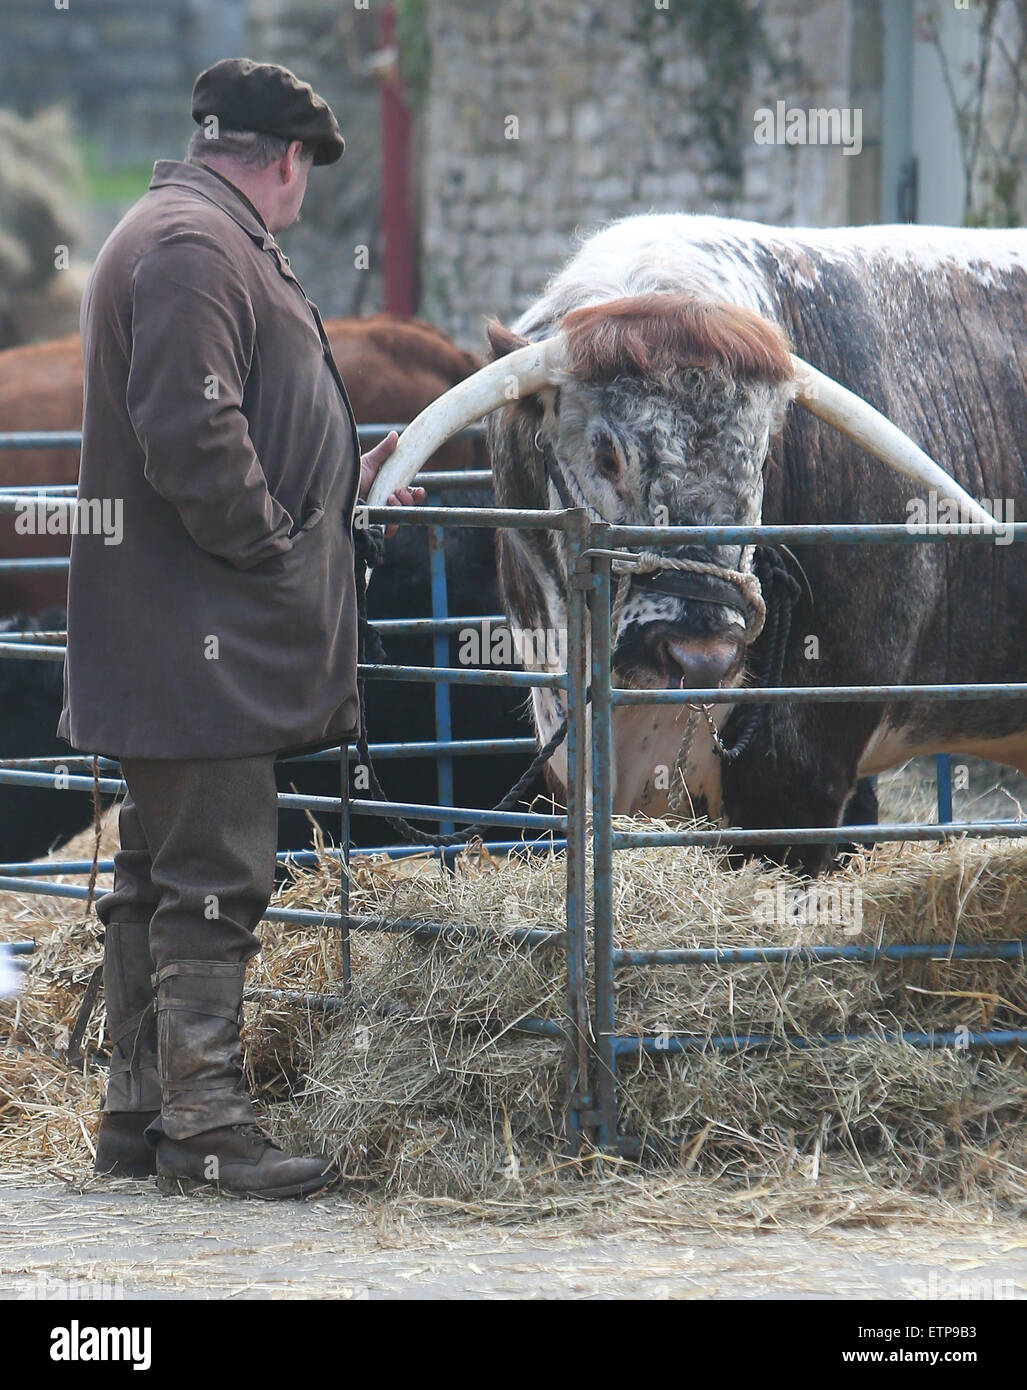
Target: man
(221, 631)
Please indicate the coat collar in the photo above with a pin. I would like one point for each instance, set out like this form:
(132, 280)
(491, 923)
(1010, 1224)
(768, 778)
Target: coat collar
(216, 190)
(223, 194)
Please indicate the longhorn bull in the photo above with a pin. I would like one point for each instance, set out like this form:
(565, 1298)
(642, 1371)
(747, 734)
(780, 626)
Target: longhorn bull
(657, 380)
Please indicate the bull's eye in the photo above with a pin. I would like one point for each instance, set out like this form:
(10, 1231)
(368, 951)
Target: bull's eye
(605, 456)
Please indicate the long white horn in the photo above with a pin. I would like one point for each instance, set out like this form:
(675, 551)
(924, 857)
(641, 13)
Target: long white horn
(533, 366)
(865, 426)
(529, 367)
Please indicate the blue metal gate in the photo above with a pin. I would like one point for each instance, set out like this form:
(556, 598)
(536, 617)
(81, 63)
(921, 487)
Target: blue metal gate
(593, 1045)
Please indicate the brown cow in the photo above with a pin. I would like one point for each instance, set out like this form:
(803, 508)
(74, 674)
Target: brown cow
(393, 367)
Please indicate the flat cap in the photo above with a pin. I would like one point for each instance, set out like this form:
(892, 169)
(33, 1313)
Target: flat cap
(245, 95)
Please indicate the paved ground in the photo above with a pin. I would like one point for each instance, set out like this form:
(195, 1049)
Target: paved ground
(58, 1243)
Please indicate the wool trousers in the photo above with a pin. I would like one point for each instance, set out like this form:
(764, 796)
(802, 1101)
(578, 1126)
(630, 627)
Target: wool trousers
(192, 879)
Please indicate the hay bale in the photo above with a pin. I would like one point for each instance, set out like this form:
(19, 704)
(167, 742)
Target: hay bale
(423, 1082)
(48, 1115)
(424, 1089)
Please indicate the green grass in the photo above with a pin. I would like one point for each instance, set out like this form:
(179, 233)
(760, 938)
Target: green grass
(120, 185)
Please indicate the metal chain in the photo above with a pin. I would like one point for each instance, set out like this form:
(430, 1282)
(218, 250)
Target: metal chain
(783, 589)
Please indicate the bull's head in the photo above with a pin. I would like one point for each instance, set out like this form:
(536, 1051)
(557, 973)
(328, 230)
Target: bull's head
(661, 414)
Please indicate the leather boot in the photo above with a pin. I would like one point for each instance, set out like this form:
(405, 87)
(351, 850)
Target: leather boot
(122, 1150)
(206, 1134)
(241, 1160)
(133, 1087)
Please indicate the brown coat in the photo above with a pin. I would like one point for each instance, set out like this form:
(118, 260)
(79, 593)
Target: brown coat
(224, 623)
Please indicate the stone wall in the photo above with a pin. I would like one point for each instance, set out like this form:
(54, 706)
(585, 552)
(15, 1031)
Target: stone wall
(620, 108)
(536, 120)
(331, 44)
(122, 68)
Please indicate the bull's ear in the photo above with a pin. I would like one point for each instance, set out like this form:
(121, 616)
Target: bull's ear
(502, 340)
(782, 397)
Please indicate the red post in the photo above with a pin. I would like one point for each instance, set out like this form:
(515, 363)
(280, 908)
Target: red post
(399, 268)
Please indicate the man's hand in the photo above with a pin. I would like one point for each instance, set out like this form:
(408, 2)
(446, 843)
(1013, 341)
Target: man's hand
(371, 462)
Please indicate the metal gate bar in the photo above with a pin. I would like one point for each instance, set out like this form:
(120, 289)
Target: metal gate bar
(30, 646)
(593, 1047)
(609, 1045)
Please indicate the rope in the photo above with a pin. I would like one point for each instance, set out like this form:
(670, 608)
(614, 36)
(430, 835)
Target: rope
(85, 1012)
(743, 578)
(73, 1055)
(97, 832)
(652, 561)
(783, 591)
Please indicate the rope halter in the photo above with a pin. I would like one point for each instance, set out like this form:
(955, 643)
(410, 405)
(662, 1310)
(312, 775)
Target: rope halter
(743, 579)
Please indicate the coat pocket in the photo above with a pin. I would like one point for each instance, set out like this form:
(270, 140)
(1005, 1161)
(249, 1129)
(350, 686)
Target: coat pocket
(308, 523)
(318, 493)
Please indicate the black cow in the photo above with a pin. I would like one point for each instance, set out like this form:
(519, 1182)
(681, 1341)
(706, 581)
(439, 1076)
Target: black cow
(34, 819)
(405, 711)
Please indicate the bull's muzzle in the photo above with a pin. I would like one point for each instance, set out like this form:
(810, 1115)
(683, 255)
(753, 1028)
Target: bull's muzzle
(692, 662)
